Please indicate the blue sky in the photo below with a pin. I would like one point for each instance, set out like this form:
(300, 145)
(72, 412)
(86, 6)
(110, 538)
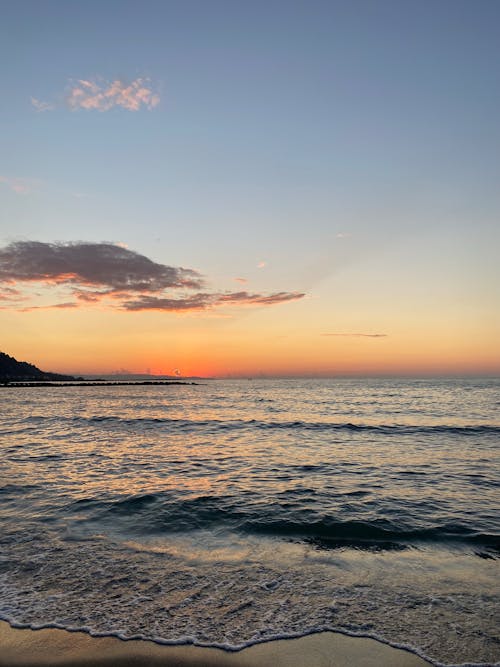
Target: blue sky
(314, 137)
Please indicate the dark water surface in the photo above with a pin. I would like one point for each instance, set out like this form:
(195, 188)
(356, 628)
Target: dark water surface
(235, 511)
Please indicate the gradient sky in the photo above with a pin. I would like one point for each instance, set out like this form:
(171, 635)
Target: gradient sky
(327, 171)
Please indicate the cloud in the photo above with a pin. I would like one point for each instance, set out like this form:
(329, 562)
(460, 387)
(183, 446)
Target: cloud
(261, 265)
(202, 301)
(241, 280)
(91, 273)
(260, 299)
(192, 302)
(103, 265)
(20, 186)
(100, 95)
(343, 235)
(357, 335)
(41, 106)
(66, 304)
(10, 294)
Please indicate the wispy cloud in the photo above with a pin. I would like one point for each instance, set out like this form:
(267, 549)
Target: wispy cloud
(63, 306)
(94, 273)
(21, 186)
(202, 301)
(241, 280)
(41, 106)
(261, 265)
(9, 294)
(98, 94)
(246, 298)
(343, 235)
(356, 335)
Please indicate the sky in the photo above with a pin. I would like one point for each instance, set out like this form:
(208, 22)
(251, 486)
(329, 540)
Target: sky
(251, 188)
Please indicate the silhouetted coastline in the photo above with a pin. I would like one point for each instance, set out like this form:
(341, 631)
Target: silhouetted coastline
(104, 383)
(12, 370)
(15, 373)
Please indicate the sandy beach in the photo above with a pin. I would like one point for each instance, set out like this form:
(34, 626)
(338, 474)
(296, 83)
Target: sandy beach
(41, 648)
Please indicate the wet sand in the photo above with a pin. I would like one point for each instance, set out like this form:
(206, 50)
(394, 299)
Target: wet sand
(59, 648)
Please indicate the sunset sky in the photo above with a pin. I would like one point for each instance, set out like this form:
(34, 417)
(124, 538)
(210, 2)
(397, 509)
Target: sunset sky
(251, 188)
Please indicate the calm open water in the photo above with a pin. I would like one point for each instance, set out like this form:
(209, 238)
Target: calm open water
(237, 511)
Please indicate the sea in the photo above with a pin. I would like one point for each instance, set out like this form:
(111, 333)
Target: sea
(233, 512)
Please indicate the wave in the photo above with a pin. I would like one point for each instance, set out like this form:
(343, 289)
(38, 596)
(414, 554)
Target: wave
(153, 514)
(358, 533)
(220, 424)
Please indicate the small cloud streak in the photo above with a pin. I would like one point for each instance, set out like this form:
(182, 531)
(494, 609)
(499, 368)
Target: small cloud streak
(356, 335)
(343, 235)
(20, 186)
(241, 280)
(99, 95)
(202, 301)
(63, 306)
(261, 265)
(259, 299)
(41, 106)
(10, 294)
(110, 273)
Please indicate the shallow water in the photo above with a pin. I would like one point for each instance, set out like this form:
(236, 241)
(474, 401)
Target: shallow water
(234, 511)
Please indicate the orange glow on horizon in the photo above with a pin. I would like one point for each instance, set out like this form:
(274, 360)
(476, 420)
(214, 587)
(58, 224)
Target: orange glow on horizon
(308, 360)
(288, 340)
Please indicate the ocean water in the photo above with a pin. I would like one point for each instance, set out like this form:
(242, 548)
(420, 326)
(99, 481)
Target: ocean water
(233, 512)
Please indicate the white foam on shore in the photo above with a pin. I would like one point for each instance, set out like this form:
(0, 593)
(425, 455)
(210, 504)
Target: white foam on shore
(191, 641)
(281, 591)
(107, 589)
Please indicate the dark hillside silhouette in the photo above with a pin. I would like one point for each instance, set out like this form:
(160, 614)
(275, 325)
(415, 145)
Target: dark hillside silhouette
(12, 370)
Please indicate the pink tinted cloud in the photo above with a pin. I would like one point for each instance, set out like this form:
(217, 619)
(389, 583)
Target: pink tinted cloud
(10, 294)
(41, 106)
(63, 306)
(100, 95)
(20, 186)
(356, 335)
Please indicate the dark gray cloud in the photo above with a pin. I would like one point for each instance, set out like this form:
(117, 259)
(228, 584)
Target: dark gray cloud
(191, 302)
(96, 272)
(259, 299)
(357, 335)
(202, 301)
(106, 266)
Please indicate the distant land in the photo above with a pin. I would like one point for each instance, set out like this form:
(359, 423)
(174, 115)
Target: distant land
(12, 370)
(131, 377)
(24, 374)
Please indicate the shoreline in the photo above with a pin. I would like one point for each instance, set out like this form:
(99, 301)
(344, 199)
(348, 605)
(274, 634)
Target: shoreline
(51, 647)
(94, 383)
